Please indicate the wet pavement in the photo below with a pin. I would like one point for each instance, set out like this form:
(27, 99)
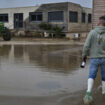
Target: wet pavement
(44, 75)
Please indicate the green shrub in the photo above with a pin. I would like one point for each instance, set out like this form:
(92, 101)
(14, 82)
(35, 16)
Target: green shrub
(58, 31)
(45, 26)
(55, 29)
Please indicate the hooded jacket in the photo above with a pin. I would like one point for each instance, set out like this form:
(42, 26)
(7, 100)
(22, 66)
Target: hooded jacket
(95, 43)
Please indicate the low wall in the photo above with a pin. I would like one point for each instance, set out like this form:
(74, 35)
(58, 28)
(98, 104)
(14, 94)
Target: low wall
(73, 35)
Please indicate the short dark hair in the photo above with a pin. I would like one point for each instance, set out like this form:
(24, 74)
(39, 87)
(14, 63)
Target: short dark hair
(102, 19)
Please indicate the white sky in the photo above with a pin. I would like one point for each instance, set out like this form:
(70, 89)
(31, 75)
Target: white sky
(22, 3)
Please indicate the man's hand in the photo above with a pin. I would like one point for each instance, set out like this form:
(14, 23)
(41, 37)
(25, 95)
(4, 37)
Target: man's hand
(84, 58)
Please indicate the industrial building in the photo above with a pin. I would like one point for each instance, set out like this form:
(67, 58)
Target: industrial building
(74, 17)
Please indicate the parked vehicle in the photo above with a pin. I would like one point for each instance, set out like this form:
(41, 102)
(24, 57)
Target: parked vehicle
(5, 32)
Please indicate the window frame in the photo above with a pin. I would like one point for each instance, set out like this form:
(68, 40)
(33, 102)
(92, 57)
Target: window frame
(83, 19)
(90, 18)
(62, 20)
(35, 13)
(70, 19)
(4, 17)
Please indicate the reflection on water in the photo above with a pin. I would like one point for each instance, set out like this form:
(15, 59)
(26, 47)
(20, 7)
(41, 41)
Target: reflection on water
(51, 71)
(53, 58)
(34, 70)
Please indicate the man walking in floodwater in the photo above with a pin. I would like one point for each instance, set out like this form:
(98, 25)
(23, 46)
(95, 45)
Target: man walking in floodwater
(95, 44)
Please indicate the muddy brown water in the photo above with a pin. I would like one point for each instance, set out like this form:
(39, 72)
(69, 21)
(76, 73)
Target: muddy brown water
(44, 75)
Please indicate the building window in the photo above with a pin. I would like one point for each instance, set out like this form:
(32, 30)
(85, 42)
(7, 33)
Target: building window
(83, 17)
(89, 18)
(3, 17)
(56, 16)
(73, 16)
(35, 16)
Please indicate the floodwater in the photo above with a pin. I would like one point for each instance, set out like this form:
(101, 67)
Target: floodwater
(44, 75)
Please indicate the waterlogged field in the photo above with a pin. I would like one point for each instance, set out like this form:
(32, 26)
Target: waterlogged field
(44, 75)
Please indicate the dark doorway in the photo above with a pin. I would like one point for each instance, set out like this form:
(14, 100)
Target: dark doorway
(18, 20)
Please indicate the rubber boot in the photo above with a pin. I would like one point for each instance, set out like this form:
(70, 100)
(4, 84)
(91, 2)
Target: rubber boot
(103, 87)
(88, 99)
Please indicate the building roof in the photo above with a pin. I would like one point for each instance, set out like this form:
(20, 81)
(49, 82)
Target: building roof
(48, 4)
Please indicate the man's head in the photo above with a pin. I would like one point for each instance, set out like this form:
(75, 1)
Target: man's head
(101, 21)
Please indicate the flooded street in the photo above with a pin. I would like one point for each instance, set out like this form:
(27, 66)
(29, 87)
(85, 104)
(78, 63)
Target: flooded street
(44, 75)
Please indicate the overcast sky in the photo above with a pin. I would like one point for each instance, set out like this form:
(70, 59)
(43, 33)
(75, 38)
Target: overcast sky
(22, 3)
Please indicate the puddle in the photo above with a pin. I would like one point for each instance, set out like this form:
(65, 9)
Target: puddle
(43, 75)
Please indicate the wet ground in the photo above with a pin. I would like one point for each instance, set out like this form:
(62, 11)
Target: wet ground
(44, 75)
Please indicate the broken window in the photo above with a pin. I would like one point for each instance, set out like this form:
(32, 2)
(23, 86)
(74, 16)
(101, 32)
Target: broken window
(89, 18)
(35, 16)
(3, 17)
(73, 16)
(56, 16)
(83, 17)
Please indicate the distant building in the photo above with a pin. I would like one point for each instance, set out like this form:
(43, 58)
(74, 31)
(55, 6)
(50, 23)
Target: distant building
(98, 10)
(73, 17)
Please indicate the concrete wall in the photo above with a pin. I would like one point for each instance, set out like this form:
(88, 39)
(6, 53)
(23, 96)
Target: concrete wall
(72, 35)
(11, 11)
(45, 8)
(98, 10)
(86, 27)
(79, 26)
(66, 7)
